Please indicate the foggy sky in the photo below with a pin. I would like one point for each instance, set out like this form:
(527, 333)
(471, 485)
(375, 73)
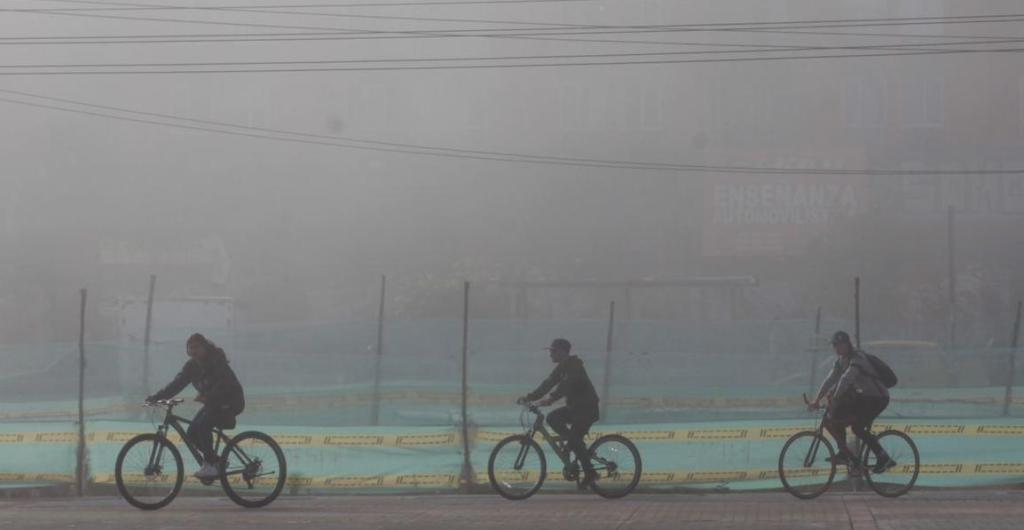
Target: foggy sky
(306, 230)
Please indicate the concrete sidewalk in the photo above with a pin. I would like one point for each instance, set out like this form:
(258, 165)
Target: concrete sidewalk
(960, 510)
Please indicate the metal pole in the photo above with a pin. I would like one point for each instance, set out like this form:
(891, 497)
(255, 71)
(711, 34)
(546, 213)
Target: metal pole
(80, 453)
(856, 311)
(814, 352)
(856, 481)
(467, 479)
(1013, 362)
(952, 277)
(609, 345)
(375, 420)
(149, 327)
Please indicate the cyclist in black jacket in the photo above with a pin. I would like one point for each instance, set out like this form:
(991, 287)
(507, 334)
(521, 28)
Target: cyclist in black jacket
(219, 391)
(570, 380)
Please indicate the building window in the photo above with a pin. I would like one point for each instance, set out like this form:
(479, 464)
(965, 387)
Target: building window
(372, 107)
(652, 108)
(864, 101)
(922, 104)
(653, 12)
(920, 9)
(1021, 104)
(575, 107)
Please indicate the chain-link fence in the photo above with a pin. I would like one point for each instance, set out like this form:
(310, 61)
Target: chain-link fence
(356, 413)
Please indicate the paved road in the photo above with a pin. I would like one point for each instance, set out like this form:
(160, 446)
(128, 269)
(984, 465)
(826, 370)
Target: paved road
(991, 510)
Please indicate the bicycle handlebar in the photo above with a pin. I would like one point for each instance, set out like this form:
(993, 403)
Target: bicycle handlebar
(163, 402)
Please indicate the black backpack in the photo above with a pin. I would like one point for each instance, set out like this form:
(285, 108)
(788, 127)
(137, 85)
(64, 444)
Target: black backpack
(885, 374)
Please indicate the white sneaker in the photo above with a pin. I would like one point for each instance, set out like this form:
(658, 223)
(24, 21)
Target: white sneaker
(207, 472)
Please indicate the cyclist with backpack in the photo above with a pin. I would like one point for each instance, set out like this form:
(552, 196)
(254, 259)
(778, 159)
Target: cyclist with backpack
(857, 389)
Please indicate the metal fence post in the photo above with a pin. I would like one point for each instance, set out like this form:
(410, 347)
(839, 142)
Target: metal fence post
(814, 352)
(375, 414)
(146, 337)
(1013, 363)
(80, 468)
(856, 311)
(609, 345)
(467, 477)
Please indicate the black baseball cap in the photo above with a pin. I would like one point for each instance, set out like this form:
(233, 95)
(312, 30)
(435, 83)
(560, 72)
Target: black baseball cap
(840, 337)
(560, 344)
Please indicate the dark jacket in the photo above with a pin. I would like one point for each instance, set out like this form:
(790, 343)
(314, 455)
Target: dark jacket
(570, 380)
(213, 378)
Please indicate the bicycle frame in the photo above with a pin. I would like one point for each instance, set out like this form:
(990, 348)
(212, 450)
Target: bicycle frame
(538, 427)
(175, 421)
(558, 444)
(812, 453)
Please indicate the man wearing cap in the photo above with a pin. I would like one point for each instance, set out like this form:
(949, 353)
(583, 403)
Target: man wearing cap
(856, 397)
(569, 379)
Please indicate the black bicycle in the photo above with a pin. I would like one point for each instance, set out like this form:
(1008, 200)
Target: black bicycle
(149, 470)
(807, 464)
(518, 467)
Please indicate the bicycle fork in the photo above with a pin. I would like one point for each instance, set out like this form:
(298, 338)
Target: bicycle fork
(524, 448)
(156, 455)
(812, 455)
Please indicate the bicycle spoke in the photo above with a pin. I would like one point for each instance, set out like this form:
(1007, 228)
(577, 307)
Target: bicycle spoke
(148, 474)
(900, 478)
(253, 469)
(516, 467)
(618, 468)
(805, 466)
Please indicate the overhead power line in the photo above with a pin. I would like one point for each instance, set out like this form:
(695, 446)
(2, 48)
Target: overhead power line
(512, 32)
(277, 9)
(191, 38)
(326, 66)
(168, 120)
(428, 3)
(413, 60)
(547, 33)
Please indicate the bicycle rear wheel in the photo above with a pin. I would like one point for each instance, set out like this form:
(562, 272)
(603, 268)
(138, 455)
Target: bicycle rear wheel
(806, 465)
(899, 479)
(253, 469)
(517, 467)
(617, 461)
(149, 472)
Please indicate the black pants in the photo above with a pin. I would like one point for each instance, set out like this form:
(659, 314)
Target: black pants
(859, 414)
(573, 426)
(200, 431)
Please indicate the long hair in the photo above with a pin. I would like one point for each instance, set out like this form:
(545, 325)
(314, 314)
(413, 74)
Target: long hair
(215, 351)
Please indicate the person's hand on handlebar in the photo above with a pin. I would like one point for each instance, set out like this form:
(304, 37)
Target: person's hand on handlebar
(150, 400)
(817, 405)
(522, 400)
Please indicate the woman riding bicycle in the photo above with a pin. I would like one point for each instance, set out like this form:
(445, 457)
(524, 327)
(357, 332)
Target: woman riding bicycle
(219, 391)
(856, 397)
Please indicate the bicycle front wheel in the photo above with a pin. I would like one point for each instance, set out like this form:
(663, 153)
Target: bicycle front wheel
(517, 467)
(900, 478)
(149, 472)
(252, 469)
(807, 465)
(617, 462)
